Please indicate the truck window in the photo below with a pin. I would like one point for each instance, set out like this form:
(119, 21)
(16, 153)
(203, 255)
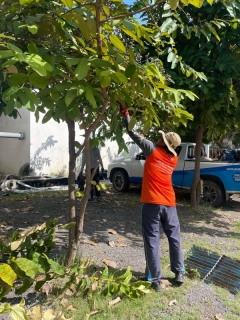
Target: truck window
(191, 152)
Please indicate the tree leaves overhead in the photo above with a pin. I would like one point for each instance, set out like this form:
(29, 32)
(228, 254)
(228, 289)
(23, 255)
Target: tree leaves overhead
(61, 67)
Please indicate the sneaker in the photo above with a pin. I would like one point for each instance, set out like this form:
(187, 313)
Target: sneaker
(144, 278)
(179, 277)
(156, 286)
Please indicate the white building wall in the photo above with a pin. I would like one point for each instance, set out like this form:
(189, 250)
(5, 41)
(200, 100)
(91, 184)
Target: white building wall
(45, 146)
(48, 147)
(15, 153)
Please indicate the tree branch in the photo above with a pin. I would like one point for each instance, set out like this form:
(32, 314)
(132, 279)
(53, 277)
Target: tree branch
(120, 16)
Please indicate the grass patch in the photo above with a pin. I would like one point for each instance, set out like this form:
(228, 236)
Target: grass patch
(231, 302)
(152, 306)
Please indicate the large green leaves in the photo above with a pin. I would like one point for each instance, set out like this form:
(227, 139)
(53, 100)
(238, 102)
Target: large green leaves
(7, 275)
(82, 69)
(68, 3)
(169, 26)
(38, 64)
(117, 42)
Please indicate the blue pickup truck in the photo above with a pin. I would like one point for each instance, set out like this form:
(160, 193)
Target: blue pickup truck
(221, 177)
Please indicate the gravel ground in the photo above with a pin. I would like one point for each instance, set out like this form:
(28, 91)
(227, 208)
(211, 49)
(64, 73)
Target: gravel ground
(112, 232)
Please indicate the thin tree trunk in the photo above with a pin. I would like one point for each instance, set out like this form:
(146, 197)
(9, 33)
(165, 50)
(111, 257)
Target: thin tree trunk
(74, 243)
(71, 188)
(195, 187)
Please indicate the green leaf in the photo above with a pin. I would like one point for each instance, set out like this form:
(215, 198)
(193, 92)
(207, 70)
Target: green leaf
(9, 92)
(10, 106)
(91, 23)
(17, 79)
(68, 3)
(48, 116)
(171, 56)
(212, 30)
(101, 63)
(130, 70)
(82, 69)
(169, 25)
(18, 313)
(14, 48)
(174, 4)
(27, 266)
(33, 29)
(23, 2)
(54, 95)
(63, 86)
(72, 61)
(37, 64)
(196, 3)
(117, 42)
(71, 94)
(55, 266)
(132, 123)
(132, 35)
(32, 96)
(32, 48)
(105, 81)
(121, 77)
(7, 275)
(90, 97)
(5, 54)
(81, 23)
(37, 81)
(5, 307)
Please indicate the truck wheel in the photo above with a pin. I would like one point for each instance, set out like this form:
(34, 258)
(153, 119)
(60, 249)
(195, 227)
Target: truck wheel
(213, 193)
(120, 181)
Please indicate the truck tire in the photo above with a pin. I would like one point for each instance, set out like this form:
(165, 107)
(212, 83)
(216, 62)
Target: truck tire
(213, 193)
(120, 181)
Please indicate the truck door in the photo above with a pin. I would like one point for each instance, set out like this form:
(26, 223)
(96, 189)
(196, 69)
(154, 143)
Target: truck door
(177, 177)
(137, 168)
(189, 166)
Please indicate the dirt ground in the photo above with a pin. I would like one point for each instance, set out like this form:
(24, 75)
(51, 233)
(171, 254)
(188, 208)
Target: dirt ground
(112, 232)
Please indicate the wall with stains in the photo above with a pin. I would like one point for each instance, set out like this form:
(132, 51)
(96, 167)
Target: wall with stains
(45, 147)
(15, 153)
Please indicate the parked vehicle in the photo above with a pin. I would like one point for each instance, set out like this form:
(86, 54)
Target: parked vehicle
(221, 178)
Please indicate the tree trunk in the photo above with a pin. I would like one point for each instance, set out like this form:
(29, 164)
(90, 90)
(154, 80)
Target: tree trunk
(195, 187)
(76, 235)
(71, 188)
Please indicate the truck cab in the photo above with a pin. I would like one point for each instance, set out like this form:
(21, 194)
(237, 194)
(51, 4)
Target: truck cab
(221, 178)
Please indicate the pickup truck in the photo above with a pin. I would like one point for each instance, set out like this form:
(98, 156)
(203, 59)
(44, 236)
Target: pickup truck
(221, 178)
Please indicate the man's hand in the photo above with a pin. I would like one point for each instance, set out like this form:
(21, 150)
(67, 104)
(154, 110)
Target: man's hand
(123, 110)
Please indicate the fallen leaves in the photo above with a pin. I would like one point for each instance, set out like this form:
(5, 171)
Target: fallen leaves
(112, 231)
(113, 302)
(93, 312)
(121, 245)
(219, 316)
(111, 244)
(172, 303)
(165, 284)
(92, 243)
(26, 210)
(109, 263)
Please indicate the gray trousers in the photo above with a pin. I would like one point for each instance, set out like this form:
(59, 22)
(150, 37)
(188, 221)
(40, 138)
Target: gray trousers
(152, 216)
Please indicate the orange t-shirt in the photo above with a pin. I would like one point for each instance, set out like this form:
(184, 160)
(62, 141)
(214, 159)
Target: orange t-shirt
(157, 178)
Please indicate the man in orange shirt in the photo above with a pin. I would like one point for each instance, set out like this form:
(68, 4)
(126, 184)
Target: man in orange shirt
(159, 203)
